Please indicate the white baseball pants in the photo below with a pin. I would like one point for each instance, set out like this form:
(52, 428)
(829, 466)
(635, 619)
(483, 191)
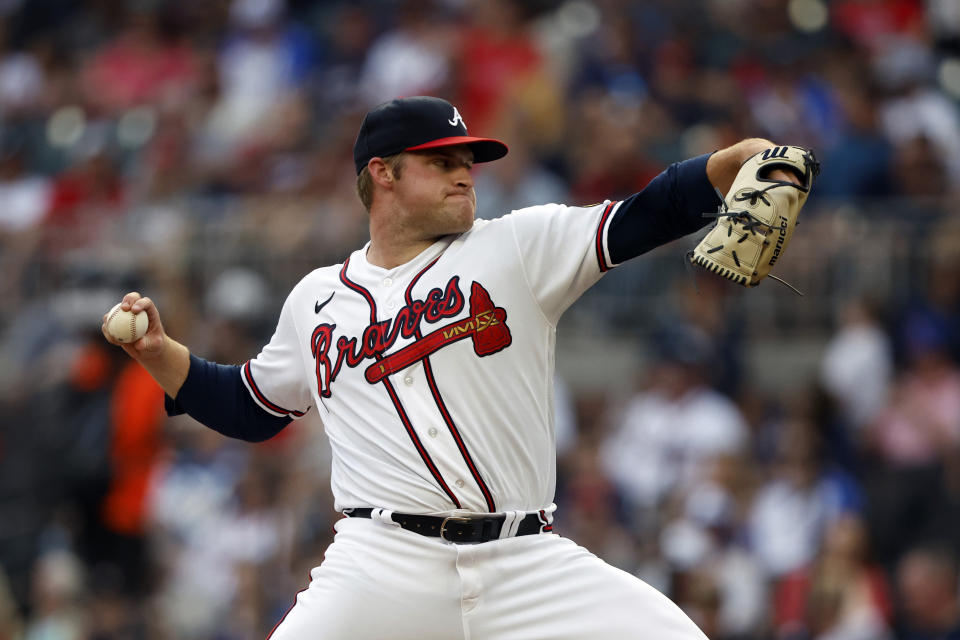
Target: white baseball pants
(380, 582)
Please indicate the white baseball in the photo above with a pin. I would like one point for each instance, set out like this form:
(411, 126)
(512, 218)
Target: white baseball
(126, 326)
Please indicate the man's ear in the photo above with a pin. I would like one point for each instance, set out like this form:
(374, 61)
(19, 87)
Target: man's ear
(380, 172)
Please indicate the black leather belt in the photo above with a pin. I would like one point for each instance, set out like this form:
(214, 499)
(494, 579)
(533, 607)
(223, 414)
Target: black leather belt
(460, 528)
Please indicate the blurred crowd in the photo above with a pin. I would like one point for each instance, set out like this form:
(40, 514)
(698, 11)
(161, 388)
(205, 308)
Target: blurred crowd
(200, 152)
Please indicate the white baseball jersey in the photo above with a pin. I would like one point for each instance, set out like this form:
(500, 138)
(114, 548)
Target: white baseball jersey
(434, 379)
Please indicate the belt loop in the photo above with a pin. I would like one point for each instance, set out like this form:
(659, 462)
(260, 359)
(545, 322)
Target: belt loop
(511, 523)
(383, 516)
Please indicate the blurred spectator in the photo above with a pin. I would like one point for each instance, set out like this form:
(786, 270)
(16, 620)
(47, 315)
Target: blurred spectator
(264, 58)
(501, 72)
(595, 512)
(606, 154)
(26, 199)
(141, 65)
(921, 423)
(841, 595)
(674, 79)
(165, 167)
(927, 582)
(791, 512)
(26, 195)
(670, 430)
(923, 124)
(86, 199)
(699, 597)
(57, 591)
(348, 35)
(414, 58)
(860, 147)
(875, 23)
(920, 172)
(916, 439)
(22, 81)
(136, 418)
(893, 33)
(857, 366)
(250, 535)
(796, 106)
(112, 613)
(190, 494)
(705, 547)
(708, 304)
(516, 183)
(609, 62)
(286, 142)
(212, 139)
(937, 296)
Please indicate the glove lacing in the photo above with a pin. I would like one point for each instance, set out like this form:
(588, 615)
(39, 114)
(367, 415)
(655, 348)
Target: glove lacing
(748, 221)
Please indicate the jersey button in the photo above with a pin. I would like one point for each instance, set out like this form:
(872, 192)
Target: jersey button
(460, 483)
(387, 282)
(408, 381)
(433, 432)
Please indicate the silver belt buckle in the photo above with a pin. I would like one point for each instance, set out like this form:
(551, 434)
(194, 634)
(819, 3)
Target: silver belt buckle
(443, 525)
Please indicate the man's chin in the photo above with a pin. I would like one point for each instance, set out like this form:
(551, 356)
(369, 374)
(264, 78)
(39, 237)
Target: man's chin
(458, 229)
(462, 217)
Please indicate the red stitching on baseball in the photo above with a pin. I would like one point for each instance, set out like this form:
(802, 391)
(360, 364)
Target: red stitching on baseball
(110, 320)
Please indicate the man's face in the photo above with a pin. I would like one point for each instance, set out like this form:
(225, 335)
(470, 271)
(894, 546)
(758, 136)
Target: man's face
(434, 194)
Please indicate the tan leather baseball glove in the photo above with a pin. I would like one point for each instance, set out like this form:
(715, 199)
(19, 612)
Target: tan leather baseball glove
(757, 217)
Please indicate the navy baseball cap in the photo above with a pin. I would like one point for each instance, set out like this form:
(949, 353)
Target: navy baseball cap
(419, 122)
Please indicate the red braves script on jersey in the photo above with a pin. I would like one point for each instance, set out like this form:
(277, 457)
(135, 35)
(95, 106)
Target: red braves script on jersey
(486, 325)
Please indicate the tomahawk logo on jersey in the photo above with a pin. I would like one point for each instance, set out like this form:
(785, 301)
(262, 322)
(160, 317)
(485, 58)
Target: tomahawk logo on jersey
(434, 379)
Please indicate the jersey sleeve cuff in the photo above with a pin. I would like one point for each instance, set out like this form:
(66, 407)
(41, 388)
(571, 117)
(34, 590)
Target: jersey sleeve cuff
(258, 396)
(214, 395)
(604, 260)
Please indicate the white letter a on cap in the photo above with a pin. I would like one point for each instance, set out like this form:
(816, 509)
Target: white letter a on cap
(456, 118)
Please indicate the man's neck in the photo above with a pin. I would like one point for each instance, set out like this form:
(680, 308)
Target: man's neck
(387, 255)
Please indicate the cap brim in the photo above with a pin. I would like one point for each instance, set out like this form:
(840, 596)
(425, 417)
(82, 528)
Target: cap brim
(484, 149)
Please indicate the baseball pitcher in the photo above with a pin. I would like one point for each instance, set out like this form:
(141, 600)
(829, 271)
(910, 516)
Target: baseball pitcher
(429, 355)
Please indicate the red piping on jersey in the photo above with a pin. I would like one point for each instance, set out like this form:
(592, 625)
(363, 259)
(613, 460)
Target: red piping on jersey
(601, 259)
(416, 441)
(362, 291)
(441, 405)
(427, 460)
(287, 612)
(248, 374)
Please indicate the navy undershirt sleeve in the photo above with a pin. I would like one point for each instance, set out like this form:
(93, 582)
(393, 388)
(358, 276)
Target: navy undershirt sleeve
(214, 395)
(669, 207)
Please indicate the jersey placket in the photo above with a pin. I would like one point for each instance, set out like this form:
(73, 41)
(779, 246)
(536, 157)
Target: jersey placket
(442, 407)
(392, 391)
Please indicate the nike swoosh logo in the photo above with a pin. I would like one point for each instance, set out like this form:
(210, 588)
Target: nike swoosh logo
(320, 305)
